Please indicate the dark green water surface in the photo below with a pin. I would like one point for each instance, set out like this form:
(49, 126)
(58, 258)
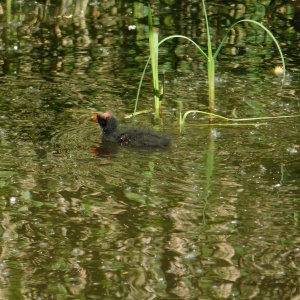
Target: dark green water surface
(216, 216)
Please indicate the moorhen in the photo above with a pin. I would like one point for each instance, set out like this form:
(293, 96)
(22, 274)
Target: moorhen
(135, 137)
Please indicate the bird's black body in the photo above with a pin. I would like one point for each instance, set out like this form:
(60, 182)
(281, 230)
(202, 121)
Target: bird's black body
(135, 137)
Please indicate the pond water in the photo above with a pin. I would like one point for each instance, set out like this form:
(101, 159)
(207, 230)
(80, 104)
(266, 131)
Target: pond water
(215, 216)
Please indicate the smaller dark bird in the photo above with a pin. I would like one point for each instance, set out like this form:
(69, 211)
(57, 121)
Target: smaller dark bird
(135, 137)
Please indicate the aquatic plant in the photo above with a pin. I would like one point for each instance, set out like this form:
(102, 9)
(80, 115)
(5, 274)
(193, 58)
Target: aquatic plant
(230, 121)
(209, 57)
(153, 44)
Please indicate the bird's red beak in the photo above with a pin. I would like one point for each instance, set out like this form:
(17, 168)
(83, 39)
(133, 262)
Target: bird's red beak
(94, 118)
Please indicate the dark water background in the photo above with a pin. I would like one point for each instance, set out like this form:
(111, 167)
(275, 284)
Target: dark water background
(214, 217)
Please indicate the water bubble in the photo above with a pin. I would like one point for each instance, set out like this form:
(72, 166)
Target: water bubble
(132, 27)
(13, 200)
(292, 150)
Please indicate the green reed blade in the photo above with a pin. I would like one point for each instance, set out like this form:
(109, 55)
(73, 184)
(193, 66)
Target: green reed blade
(268, 32)
(183, 118)
(186, 38)
(149, 58)
(140, 86)
(210, 65)
(153, 45)
(8, 11)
